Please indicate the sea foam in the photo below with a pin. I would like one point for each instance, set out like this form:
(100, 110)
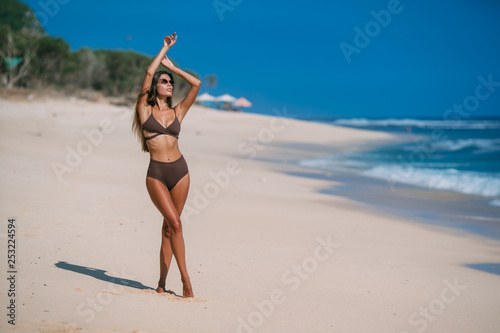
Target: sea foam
(466, 182)
(408, 122)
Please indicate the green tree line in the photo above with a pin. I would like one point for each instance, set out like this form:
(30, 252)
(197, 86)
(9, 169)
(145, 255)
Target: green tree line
(32, 59)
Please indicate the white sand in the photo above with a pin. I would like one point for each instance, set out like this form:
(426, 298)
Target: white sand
(251, 239)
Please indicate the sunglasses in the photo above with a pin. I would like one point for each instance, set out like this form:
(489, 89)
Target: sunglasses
(165, 81)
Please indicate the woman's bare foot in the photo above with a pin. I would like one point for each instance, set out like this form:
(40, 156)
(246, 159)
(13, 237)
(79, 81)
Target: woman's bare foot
(160, 289)
(187, 290)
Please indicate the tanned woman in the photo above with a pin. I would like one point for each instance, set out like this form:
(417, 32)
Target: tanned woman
(158, 124)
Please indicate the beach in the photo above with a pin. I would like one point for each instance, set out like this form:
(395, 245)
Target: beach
(266, 250)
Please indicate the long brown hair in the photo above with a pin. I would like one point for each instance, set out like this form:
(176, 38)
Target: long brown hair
(152, 93)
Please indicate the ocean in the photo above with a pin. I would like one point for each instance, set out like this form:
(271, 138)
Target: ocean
(455, 156)
(459, 156)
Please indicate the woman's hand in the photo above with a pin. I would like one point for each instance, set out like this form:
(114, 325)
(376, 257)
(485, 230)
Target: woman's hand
(170, 40)
(167, 63)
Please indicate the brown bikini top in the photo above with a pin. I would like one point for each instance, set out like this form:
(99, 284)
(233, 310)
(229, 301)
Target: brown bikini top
(153, 126)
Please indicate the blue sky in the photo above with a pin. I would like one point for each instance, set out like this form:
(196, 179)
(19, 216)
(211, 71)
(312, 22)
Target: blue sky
(287, 53)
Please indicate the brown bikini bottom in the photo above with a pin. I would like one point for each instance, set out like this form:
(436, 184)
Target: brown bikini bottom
(169, 173)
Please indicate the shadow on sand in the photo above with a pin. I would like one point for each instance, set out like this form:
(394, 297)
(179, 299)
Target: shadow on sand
(101, 275)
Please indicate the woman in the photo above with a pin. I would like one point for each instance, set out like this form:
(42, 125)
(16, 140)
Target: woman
(158, 124)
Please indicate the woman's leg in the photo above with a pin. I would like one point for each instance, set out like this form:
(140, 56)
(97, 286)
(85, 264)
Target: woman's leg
(165, 256)
(170, 204)
(179, 195)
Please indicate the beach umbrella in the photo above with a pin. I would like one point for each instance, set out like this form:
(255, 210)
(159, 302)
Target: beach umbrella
(242, 102)
(206, 97)
(226, 98)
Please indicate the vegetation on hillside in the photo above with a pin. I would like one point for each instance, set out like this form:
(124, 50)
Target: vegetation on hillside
(32, 59)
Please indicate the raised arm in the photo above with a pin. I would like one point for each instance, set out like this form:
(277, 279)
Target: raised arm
(185, 104)
(148, 79)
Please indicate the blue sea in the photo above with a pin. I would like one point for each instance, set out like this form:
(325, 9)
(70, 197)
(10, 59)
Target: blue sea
(461, 156)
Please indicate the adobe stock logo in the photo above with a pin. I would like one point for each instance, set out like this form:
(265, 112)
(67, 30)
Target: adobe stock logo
(430, 313)
(223, 6)
(249, 148)
(293, 279)
(373, 28)
(460, 111)
(50, 8)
